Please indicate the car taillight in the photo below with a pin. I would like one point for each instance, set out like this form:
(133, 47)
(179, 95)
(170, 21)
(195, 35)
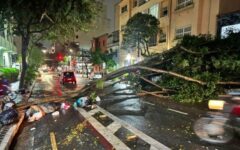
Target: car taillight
(236, 111)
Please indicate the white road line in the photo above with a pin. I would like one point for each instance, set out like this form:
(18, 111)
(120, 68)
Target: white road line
(180, 112)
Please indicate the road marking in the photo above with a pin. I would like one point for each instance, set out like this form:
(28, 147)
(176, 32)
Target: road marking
(180, 112)
(53, 141)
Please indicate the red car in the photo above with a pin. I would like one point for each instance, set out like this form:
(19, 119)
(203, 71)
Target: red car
(68, 77)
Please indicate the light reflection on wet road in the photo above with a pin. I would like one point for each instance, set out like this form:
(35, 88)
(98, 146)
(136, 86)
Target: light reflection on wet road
(167, 125)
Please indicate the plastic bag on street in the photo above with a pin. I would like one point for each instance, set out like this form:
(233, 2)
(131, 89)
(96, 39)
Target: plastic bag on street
(81, 102)
(8, 116)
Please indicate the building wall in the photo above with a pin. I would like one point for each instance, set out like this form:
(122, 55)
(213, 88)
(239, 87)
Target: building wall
(101, 43)
(7, 48)
(201, 16)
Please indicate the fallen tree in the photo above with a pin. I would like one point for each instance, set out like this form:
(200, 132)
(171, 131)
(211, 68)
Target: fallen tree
(197, 69)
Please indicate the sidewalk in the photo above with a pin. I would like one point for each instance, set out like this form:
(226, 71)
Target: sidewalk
(7, 133)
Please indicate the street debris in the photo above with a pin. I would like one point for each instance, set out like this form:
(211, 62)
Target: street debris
(32, 129)
(36, 112)
(65, 106)
(55, 114)
(87, 102)
(132, 138)
(8, 116)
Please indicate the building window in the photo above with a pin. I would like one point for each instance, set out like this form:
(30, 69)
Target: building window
(164, 12)
(183, 31)
(153, 40)
(141, 2)
(154, 10)
(162, 37)
(124, 9)
(183, 3)
(135, 3)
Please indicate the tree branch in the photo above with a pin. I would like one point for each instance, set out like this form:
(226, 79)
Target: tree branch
(43, 29)
(195, 53)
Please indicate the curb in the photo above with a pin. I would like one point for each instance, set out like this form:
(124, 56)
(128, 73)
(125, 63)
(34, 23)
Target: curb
(10, 134)
(108, 132)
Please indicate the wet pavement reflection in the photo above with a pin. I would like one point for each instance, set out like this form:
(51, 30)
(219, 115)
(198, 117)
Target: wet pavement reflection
(173, 129)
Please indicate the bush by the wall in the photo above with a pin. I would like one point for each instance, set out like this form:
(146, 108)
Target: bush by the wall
(10, 73)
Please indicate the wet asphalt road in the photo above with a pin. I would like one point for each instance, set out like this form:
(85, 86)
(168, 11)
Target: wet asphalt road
(158, 120)
(161, 120)
(66, 131)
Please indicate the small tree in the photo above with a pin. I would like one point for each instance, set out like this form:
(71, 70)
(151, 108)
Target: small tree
(52, 19)
(139, 29)
(99, 58)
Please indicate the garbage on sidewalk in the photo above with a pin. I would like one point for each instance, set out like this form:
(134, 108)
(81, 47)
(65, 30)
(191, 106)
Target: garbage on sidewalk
(87, 102)
(36, 112)
(8, 116)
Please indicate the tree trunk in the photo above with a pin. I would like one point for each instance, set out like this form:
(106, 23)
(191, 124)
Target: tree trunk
(86, 67)
(25, 43)
(138, 47)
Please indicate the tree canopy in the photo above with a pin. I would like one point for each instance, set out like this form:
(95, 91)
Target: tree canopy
(98, 58)
(51, 19)
(138, 32)
(214, 63)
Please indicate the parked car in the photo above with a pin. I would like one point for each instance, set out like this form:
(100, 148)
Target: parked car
(68, 77)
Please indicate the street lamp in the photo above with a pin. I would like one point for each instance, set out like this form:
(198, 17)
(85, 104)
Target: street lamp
(128, 58)
(44, 51)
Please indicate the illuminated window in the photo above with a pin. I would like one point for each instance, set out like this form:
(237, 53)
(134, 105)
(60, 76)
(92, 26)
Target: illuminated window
(154, 10)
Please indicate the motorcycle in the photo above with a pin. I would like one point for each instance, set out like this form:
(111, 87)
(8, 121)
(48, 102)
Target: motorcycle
(221, 124)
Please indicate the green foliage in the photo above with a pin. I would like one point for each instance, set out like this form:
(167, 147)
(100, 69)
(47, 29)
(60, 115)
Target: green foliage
(98, 58)
(100, 84)
(35, 20)
(35, 56)
(31, 74)
(93, 97)
(139, 29)
(10, 73)
(206, 59)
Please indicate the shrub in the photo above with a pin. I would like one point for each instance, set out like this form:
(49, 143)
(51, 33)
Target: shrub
(10, 73)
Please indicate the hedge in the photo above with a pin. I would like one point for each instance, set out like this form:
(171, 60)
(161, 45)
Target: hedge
(10, 73)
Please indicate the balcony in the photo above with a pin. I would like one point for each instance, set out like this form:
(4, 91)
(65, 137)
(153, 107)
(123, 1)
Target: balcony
(186, 4)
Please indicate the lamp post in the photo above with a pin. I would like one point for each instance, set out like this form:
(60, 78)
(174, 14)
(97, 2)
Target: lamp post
(128, 58)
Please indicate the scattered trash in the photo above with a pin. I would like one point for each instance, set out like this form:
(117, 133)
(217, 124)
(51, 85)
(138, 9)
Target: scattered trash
(8, 105)
(98, 99)
(50, 107)
(82, 102)
(103, 117)
(65, 106)
(55, 114)
(8, 116)
(32, 129)
(34, 113)
(93, 106)
(131, 138)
